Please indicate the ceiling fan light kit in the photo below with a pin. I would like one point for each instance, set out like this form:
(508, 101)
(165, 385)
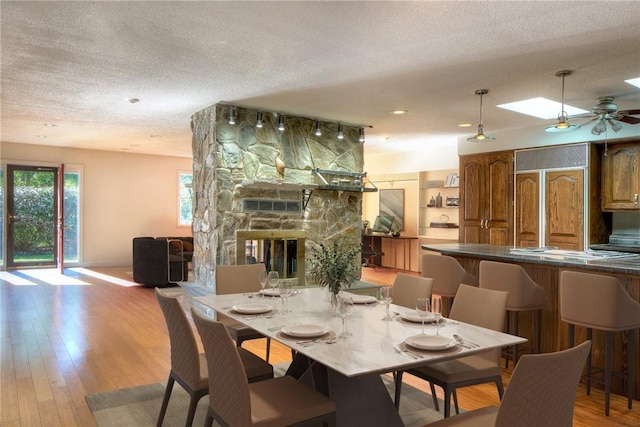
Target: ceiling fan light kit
(563, 124)
(480, 136)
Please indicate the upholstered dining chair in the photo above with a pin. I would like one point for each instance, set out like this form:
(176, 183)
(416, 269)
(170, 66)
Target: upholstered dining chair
(447, 274)
(542, 392)
(524, 295)
(235, 402)
(596, 301)
(408, 288)
(188, 365)
(481, 307)
(231, 279)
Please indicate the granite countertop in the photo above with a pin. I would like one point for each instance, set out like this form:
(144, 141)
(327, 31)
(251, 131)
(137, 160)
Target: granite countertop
(629, 264)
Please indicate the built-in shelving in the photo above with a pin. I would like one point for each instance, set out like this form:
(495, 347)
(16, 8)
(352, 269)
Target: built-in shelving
(438, 222)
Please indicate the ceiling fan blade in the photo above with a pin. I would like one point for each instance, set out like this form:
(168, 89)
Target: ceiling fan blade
(630, 112)
(629, 119)
(582, 116)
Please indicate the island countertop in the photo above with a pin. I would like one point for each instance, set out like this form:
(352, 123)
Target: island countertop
(629, 264)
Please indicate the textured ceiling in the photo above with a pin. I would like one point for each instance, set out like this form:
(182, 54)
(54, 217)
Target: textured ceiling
(74, 64)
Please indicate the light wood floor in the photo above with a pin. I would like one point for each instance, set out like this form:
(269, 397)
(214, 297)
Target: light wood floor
(88, 333)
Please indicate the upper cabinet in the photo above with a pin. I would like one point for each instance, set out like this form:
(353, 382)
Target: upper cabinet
(486, 202)
(621, 177)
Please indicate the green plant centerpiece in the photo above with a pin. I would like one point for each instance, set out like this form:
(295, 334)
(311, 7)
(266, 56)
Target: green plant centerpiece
(335, 265)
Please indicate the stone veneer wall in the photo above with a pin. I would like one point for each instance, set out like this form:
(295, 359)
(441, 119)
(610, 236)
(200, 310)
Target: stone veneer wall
(233, 162)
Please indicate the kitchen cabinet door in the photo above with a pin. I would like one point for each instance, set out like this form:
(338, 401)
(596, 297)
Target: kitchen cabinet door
(527, 220)
(621, 177)
(564, 209)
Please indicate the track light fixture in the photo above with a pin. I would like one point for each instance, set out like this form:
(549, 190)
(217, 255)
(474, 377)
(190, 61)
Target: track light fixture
(280, 122)
(563, 120)
(340, 131)
(259, 119)
(232, 115)
(361, 136)
(480, 135)
(318, 131)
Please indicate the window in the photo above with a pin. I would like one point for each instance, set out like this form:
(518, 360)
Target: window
(185, 199)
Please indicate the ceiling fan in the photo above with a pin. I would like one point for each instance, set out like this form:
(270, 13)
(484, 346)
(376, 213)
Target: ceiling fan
(606, 112)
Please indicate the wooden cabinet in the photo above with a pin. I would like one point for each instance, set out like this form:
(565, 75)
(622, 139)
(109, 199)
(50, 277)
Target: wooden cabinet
(527, 221)
(486, 199)
(621, 177)
(564, 209)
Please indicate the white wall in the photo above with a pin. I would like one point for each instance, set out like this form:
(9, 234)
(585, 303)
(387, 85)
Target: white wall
(123, 195)
(433, 155)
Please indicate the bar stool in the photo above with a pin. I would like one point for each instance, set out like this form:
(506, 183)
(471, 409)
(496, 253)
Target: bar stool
(600, 302)
(524, 295)
(447, 274)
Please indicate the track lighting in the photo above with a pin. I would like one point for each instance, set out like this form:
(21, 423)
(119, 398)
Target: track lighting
(480, 136)
(259, 119)
(361, 136)
(318, 131)
(340, 131)
(563, 120)
(280, 123)
(232, 115)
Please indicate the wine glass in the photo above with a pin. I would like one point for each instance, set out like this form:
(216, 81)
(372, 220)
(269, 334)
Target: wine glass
(423, 307)
(436, 309)
(386, 295)
(273, 279)
(285, 292)
(344, 310)
(263, 281)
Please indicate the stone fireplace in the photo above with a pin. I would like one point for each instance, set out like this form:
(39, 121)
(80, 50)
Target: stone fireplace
(238, 194)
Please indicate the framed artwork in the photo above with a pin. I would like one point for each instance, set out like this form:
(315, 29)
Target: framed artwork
(392, 205)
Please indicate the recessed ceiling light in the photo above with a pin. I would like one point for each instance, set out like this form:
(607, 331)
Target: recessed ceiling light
(464, 125)
(542, 108)
(399, 112)
(41, 136)
(51, 125)
(635, 82)
(155, 136)
(133, 100)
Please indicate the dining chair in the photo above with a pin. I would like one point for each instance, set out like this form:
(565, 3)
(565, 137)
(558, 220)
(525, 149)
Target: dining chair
(408, 288)
(447, 274)
(232, 279)
(235, 402)
(481, 307)
(596, 301)
(524, 295)
(188, 365)
(542, 392)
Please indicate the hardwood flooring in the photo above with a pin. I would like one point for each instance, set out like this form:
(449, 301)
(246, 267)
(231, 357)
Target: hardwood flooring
(94, 330)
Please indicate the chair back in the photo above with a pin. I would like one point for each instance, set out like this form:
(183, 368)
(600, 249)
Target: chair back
(542, 390)
(185, 357)
(232, 279)
(229, 395)
(447, 274)
(597, 301)
(524, 293)
(408, 288)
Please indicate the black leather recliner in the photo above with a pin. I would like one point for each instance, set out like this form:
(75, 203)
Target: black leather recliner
(154, 265)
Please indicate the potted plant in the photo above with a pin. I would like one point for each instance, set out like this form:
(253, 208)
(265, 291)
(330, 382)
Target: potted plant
(335, 265)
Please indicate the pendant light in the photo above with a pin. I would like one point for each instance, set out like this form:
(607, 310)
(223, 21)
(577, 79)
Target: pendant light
(259, 119)
(232, 115)
(563, 120)
(481, 136)
(361, 135)
(340, 131)
(280, 122)
(318, 131)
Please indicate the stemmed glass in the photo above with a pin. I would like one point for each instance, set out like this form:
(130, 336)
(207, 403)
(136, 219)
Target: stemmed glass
(285, 292)
(423, 307)
(436, 309)
(273, 280)
(386, 295)
(344, 310)
(263, 281)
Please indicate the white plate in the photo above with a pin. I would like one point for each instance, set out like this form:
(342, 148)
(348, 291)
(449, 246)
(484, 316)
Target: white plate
(362, 299)
(412, 316)
(430, 342)
(254, 308)
(305, 331)
(271, 292)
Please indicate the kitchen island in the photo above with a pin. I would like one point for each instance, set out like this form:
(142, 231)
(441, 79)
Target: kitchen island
(544, 266)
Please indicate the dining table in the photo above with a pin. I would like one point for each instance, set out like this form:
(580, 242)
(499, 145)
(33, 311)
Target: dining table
(349, 369)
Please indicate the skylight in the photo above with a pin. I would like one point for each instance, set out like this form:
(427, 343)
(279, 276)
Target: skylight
(635, 82)
(542, 108)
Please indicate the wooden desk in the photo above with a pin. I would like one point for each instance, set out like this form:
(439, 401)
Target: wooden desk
(397, 250)
(349, 370)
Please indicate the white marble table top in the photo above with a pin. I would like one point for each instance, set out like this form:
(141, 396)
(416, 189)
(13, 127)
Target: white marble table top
(370, 349)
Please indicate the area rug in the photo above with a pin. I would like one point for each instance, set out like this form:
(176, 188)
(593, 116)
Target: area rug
(139, 406)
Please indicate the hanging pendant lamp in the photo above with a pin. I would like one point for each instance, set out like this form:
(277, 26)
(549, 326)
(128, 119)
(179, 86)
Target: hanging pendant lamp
(563, 124)
(481, 136)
